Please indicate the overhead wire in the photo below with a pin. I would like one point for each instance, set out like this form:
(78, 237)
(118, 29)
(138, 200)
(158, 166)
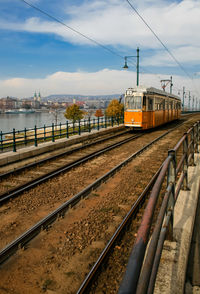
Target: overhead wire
(72, 29)
(160, 41)
(98, 43)
(165, 47)
(79, 33)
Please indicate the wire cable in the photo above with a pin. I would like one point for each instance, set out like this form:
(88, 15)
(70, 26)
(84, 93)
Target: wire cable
(79, 33)
(72, 29)
(170, 53)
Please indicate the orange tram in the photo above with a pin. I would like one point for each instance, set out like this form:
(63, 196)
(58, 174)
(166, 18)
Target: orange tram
(146, 108)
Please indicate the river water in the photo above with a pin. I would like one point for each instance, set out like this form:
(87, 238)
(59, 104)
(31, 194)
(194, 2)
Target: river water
(23, 120)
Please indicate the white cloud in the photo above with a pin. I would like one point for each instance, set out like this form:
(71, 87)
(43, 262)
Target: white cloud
(185, 54)
(95, 83)
(113, 22)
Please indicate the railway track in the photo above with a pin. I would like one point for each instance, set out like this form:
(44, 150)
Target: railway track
(116, 240)
(26, 164)
(31, 176)
(56, 214)
(60, 212)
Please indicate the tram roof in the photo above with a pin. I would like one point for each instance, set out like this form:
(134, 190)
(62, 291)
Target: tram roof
(152, 90)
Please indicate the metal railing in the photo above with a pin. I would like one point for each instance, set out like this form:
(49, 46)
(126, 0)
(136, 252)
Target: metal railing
(26, 137)
(142, 268)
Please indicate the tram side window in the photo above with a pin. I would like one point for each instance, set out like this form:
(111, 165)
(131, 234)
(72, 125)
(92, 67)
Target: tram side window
(133, 102)
(150, 104)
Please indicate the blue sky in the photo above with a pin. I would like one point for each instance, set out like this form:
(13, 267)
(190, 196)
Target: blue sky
(37, 53)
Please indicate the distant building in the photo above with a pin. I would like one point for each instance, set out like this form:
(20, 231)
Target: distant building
(31, 103)
(9, 103)
(37, 97)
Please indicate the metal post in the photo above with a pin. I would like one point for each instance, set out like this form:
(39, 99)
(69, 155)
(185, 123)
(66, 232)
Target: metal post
(193, 146)
(198, 128)
(98, 123)
(171, 179)
(79, 127)
(112, 121)
(25, 137)
(189, 100)
(14, 141)
(93, 123)
(185, 164)
(44, 133)
(171, 85)
(36, 136)
(138, 50)
(1, 138)
(89, 127)
(193, 103)
(73, 127)
(183, 98)
(53, 138)
(197, 138)
(105, 122)
(60, 129)
(67, 129)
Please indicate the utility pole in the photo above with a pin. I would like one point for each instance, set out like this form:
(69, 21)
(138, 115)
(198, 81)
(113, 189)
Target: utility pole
(189, 100)
(171, 85)
(196, 103)
(193, 104)
(183, 98)
(164, 84)
(137, 65)
(138, 50)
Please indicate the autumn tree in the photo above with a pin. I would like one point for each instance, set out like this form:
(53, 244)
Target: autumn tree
(89, 113)
(98, 113)
(115, 109)
(74, 113)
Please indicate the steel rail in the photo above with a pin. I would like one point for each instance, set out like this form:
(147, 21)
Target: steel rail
(92, 275)
(143, 264)
(84, 288)
(22, 240)
(12, 193)
(68, 152)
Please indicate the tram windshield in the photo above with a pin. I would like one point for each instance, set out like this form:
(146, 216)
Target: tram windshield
(133, 102)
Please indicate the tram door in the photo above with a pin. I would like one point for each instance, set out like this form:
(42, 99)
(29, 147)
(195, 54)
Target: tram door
(150, 111)
(163, 109)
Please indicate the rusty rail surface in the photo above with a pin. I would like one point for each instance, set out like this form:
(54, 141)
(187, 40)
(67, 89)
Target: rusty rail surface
(142, 268)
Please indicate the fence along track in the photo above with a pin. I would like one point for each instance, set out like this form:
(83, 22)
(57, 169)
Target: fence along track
(21, 241)
(143, 265)
(52, 157)
(12, 193)
(36, 135)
